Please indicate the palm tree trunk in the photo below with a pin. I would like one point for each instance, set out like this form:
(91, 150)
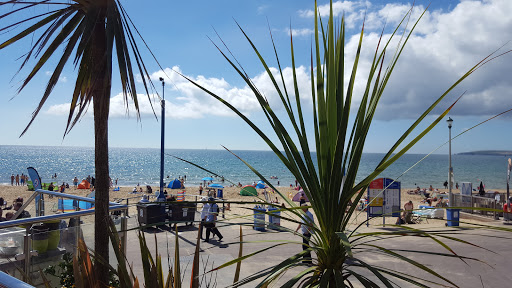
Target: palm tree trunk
(101, 101)
(101, 240)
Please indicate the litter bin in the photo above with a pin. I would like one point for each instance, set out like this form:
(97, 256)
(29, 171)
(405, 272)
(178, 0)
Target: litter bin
(452, 217)
(507, 212)
(274, 219)
(179, 212)
(259, 218)
(150, 213)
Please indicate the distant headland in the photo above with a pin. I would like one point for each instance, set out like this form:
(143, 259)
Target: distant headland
(488, 153)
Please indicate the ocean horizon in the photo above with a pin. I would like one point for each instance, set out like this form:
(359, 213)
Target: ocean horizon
(141, 166)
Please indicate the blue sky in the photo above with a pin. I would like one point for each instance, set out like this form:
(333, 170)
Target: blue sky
(452, 37)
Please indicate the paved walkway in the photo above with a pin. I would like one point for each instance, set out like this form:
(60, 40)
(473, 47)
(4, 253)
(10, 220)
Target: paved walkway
(495, 270)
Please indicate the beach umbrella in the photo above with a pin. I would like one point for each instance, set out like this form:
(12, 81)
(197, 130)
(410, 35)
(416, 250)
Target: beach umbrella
(260, 185)
(261, 182)
(297, 196)
(208, 179)
(215, 186)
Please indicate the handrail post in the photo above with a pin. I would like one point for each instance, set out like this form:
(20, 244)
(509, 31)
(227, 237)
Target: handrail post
(472, 203)
(77, 226)
(494, 208)
(26, 251)
(124, 229)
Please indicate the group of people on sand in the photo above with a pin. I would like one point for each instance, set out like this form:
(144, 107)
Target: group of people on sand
(19, 180)
(12, 209)
(407, 212)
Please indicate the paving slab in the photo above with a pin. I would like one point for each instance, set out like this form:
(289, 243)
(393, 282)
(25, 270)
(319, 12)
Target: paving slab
(492, 250)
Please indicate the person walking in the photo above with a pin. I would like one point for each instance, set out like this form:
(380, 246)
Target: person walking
(210, 221)
(204, 214)
(307, 221)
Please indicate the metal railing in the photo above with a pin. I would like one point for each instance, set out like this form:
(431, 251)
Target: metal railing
(472, 202)
(7, 280)
(27, 222)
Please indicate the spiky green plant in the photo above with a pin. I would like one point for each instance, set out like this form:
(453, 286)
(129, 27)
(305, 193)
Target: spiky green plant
(339, 146)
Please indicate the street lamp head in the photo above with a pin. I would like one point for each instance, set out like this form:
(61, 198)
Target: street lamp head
(449, 121)
(161, 79)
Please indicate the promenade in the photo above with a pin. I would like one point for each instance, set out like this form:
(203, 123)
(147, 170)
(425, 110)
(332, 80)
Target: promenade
(493, 271)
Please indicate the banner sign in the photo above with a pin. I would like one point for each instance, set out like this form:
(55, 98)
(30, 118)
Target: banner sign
(36, 181)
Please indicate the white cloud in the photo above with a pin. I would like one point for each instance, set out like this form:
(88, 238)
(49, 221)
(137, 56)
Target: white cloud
(338, 8)
(444, 46)
(185, 100)
(301, 32)
(262, 9)
(62, 79)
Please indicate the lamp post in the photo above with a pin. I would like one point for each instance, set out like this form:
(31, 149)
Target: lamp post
(450, 171)
(162, 133)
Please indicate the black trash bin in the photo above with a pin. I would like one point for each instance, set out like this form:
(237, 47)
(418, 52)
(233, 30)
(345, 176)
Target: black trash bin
(179, 212)
(150, 213)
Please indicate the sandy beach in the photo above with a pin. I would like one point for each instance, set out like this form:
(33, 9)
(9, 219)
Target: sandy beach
(9, 193)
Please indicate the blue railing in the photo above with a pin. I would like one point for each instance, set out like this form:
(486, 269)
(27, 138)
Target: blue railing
(8, 281)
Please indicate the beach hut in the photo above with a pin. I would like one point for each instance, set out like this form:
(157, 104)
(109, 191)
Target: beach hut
(175, 184)
(248, 190)
(84, 185)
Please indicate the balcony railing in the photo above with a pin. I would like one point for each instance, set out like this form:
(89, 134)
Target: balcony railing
(14, 239)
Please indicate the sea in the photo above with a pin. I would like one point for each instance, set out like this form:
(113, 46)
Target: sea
(141, 166)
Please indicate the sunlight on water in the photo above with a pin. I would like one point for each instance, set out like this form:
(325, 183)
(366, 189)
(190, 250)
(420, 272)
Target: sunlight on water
(133, 165)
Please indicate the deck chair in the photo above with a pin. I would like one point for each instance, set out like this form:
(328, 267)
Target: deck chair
(420, 216)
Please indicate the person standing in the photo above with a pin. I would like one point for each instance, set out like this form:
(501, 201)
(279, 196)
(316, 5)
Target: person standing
(12, 179)
(200, 189)
(210, 221)
(307, 221)
(302, 199)
(75, 182)
(204, 214)
(17, 179)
